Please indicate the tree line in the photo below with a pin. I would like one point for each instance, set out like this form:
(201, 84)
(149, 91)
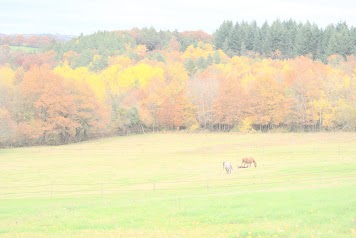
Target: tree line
(117, 83)
(285, 39)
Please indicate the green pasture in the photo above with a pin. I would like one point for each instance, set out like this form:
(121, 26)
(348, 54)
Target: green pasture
(173, 185)
(24, 49)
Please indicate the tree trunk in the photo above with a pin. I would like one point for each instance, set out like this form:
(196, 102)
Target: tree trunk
(320, 121)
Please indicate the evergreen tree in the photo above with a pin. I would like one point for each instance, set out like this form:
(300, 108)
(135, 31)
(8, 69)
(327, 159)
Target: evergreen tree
(84, 59)
(243, 50)
(250, 35)
(234, 41)
(257, 42)
(332, 46)
(303, 39)
(315, 41)
(290, 29)
(327, 49)
(244, 34)
(222, 33)
(290, 38)
(267, 44)
(353, 40)
(266, 39)
(190, 67)
(216, 58)
(149, 37)
(225, 46)
(344, 41)
(201, 63)
(277, 37)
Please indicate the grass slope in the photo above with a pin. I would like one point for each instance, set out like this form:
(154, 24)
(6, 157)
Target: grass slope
(172, 185)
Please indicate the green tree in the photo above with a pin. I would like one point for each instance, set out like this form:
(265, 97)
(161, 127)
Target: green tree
(257, 42)
(201, 63)
(190, 67)
(216, 58)
(234, 40)
(222, 33)
(243, 49)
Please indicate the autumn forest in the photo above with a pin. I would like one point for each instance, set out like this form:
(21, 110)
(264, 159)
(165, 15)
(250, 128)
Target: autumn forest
(282, 76)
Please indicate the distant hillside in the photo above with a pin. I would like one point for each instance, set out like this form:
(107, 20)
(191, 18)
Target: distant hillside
(57, 37)
(33, 40)
(110, 42)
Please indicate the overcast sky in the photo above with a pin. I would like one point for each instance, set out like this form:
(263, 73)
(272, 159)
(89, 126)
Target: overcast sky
(87, 16)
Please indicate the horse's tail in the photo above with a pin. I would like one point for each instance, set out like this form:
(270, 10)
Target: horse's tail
(254, 162)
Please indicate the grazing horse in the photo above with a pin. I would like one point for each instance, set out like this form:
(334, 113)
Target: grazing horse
(228, 167)
(246, 162)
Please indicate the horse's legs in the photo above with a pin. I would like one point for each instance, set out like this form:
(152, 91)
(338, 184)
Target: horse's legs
(229, 170)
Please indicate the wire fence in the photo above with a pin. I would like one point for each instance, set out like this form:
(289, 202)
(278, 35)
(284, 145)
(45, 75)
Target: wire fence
(208, 184)
(52, 190)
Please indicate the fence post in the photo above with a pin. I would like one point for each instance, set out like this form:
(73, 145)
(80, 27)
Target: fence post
(51, 190)
(101, 189)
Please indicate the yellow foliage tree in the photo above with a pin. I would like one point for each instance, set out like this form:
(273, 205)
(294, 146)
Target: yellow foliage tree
(83, 75)
(202, 50)
(7, 76)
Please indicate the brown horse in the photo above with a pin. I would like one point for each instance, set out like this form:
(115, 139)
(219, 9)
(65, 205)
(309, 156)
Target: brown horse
(246, 162)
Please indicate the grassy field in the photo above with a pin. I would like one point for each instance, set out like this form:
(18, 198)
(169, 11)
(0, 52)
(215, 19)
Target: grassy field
(173, 185)
(24, 49)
